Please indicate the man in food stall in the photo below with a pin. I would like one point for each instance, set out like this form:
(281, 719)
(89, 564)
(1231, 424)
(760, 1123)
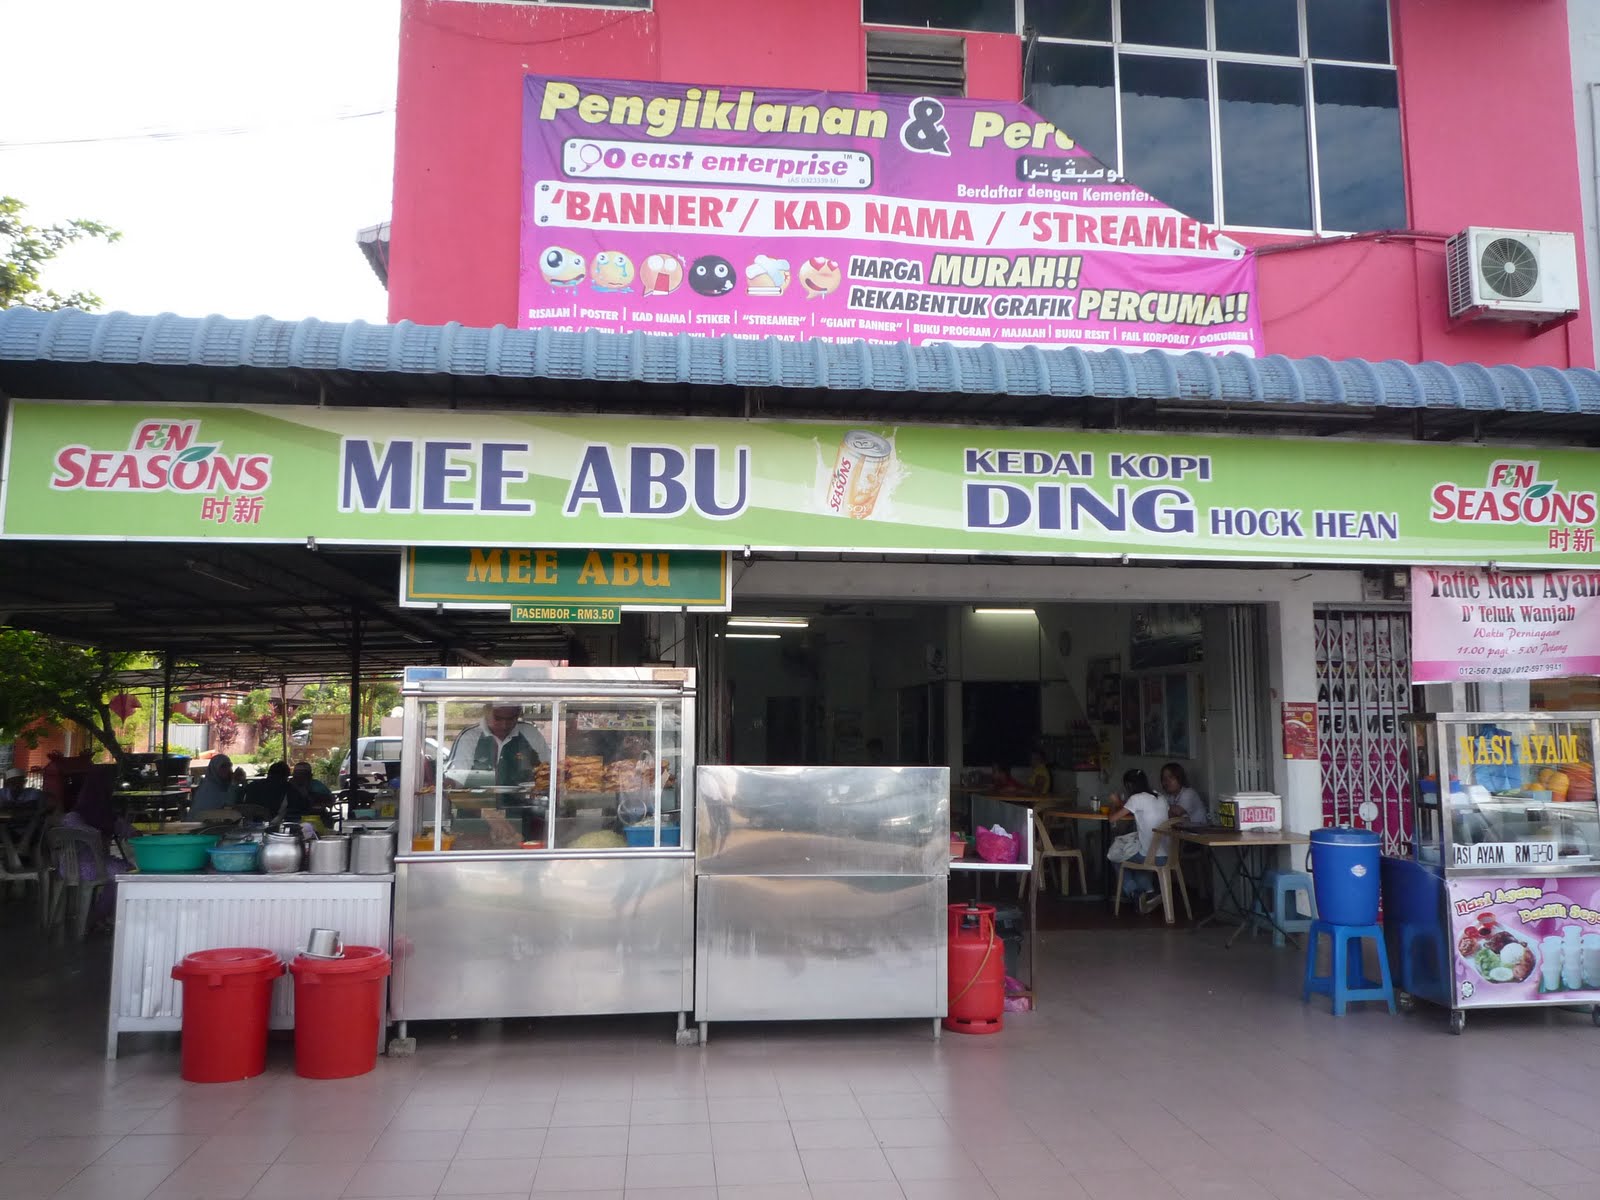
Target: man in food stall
(502, 749)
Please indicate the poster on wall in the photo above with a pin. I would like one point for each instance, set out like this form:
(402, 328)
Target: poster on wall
(1300, 731)
(1103, 691)
(1153, 713)
(191, 472)
(1132, 728)
(1525, 940)
(1177, 696)
(1485, 623)
(796, 215)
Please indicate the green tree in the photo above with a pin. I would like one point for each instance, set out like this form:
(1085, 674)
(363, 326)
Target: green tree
(377, 698)
(25, 250)
(254, 706)
(43, 678)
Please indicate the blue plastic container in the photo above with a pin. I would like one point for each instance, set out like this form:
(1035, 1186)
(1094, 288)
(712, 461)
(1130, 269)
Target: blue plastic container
(1344, 870)
(644, 835)
(236, 858)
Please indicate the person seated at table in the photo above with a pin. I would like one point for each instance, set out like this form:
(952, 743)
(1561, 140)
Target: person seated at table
(271, 793)
(93, 809)
(501, 750)
(1038, 773)
(307, 794)
(17, 794)
(1139, 804)
(217, 789)
(1182, 800)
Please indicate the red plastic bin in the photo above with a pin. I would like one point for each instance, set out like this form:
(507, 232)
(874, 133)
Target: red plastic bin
(227, 999)
(338, 1012)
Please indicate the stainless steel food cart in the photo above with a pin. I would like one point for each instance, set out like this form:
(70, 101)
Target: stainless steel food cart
(1497, 903)
(821, 893)
(546, 861)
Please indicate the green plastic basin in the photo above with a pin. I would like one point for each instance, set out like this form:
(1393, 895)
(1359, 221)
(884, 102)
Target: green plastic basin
(172, 853)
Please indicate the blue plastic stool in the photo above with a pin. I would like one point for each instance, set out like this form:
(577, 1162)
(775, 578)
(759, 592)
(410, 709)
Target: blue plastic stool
(1347, 981)
(1285, 911)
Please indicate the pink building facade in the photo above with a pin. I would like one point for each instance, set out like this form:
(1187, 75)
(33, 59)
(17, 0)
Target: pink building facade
(1450, 147)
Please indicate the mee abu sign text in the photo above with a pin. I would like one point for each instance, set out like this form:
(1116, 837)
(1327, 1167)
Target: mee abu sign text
(637, 484)
(497, 576)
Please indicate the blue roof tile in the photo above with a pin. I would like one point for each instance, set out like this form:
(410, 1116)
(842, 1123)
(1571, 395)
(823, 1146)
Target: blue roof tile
(406, 348)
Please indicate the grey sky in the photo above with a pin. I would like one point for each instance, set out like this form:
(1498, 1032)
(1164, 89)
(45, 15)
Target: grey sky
(223, 140)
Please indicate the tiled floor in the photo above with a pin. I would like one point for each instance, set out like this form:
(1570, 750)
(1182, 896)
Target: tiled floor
(1159, 1067)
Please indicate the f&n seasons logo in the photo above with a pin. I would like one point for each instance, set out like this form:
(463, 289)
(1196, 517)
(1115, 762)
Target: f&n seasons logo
(1514, 495)
(162, 456)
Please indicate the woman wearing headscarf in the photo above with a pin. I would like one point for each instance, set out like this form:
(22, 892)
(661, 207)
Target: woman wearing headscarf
(217, 789)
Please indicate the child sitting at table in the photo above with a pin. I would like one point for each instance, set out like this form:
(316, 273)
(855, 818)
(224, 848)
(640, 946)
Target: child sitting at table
(1147, 811)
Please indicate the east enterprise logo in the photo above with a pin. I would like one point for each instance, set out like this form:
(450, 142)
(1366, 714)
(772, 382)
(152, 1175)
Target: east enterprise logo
(168, 456)
(1513, 495)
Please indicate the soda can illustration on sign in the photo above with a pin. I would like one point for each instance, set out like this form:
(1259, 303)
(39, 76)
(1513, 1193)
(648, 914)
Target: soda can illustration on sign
(859, 473)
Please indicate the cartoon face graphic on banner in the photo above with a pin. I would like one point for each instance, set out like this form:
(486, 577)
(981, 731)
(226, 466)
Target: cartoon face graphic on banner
(837, 216)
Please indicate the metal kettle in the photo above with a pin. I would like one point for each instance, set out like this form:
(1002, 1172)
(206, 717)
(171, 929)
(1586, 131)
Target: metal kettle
(284, 852)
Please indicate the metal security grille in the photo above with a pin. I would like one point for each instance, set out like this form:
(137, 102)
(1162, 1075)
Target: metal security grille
(1363, 690)
(1246, 684)
(709, 661)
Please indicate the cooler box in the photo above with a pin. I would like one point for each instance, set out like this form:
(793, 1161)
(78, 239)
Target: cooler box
(1249, 811)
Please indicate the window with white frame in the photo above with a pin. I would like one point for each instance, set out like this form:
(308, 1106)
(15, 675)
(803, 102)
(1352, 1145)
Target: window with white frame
(1254, 114)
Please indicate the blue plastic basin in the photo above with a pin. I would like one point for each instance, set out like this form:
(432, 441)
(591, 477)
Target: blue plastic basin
(238, 858)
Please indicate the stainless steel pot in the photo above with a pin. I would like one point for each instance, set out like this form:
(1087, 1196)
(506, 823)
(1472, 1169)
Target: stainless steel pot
(325, 943)
(329, 855)
(372, 851)
(283, 854)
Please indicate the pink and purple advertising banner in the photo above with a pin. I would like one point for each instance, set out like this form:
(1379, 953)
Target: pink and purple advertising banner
(759, 213)
(1469, 623)
(1525, 939)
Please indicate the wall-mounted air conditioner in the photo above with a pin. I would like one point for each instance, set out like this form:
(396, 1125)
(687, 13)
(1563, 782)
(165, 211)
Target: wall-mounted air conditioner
(1512, 275)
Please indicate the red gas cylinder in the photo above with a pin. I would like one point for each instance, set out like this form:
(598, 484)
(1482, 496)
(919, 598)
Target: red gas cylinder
(977, 971)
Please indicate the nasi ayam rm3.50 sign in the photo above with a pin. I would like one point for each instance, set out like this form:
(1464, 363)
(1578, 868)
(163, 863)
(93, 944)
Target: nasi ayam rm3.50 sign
(832, 215)
(410, 478)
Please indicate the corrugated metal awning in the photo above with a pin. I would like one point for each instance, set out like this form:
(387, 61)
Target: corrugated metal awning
(1274, 383)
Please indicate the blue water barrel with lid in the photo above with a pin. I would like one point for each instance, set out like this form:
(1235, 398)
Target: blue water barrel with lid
(1344, 866)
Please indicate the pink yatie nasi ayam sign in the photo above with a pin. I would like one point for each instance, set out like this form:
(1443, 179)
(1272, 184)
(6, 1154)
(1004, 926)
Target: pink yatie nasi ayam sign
(668, 208)
(1473, 623)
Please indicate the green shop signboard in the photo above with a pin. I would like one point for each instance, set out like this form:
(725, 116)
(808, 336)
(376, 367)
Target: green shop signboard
(497, 576)
(408, 478)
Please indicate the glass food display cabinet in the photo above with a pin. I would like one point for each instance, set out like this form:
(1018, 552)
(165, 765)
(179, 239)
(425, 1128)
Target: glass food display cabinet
(546, 859)
(1497, 904)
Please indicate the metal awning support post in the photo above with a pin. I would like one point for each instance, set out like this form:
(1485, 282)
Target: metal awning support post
(166, 699)
(355, 695)
(283, 713)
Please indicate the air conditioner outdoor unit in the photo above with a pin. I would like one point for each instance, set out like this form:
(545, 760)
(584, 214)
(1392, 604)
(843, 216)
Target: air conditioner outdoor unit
(1512, 275)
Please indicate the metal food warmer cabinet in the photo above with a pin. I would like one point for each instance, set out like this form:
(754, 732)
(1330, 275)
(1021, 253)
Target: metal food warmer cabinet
(546, 863)
(822, 893)
(1497, 905)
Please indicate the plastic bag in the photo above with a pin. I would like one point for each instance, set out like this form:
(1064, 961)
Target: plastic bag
(1123, 847)
(997, 846)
